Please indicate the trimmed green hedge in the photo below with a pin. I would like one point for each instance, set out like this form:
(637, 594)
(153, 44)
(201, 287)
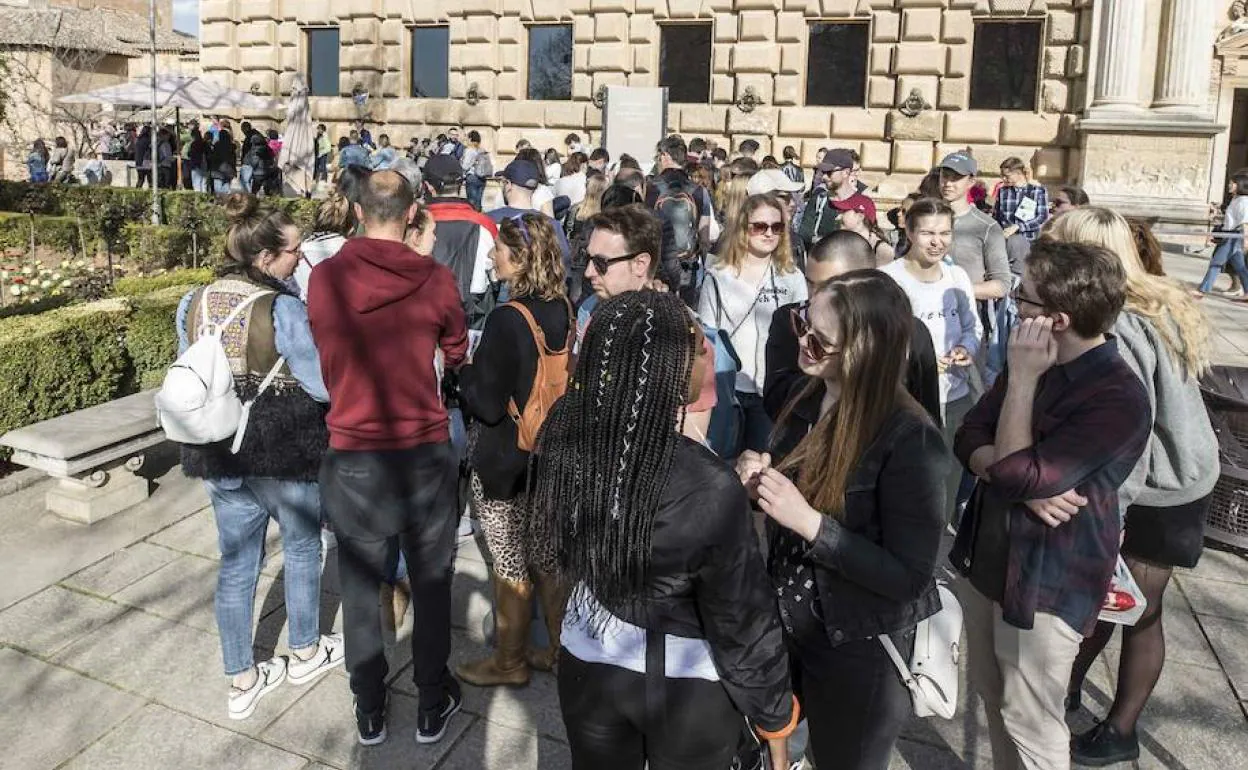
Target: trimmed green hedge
(139, 285)
(56, 232)
(151, 340)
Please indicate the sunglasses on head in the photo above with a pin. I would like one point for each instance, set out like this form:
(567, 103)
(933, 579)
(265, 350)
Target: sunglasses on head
(602, 264)
(806, 335)
(761, 228)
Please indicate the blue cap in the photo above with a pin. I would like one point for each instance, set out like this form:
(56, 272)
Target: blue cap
(523, 173)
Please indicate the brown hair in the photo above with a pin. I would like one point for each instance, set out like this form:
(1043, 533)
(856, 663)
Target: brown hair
(536, 254)
(1147, 245)
(876, 326)
(335, 215)
(1084, 281)
(641, 228)
(927, 207)
(253, 230)
(701, 176)
(1014, 163)
(738, 238)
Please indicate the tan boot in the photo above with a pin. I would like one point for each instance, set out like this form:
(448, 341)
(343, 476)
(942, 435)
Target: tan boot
(553, 594)
(507, 665)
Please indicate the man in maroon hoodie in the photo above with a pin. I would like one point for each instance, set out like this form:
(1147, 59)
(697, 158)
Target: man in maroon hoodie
(380, 314)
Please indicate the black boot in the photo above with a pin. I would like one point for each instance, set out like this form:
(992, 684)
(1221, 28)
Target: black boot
(1104, 745)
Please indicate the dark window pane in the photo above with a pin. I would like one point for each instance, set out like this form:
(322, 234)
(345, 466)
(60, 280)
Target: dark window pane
(323, 62)
(550, 62)
(685, 63)
(836, 65)
(1005, 65)
(431, 63)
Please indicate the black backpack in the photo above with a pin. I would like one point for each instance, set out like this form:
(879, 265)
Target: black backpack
(678, 208)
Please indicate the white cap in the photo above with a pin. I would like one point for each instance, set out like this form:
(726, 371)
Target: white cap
(771, 180)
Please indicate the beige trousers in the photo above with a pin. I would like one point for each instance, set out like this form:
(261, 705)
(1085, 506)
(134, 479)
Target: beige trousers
(1021, 676)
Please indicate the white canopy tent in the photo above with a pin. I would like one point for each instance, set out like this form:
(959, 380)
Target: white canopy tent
(187, 92)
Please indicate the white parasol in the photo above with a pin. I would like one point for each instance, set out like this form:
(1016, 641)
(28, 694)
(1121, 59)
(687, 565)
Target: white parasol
(298, 157)
(188, 92)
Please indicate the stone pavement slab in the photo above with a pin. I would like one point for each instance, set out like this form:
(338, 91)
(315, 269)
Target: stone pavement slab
(39, 725)
(118, 570)
(1215, 597)
(491, 746)
(157, 737)
(183, 591)
(1230, 643)
(171, 664)
(322, 726)
(53, 619)
(1219, 563)
(1185, 641)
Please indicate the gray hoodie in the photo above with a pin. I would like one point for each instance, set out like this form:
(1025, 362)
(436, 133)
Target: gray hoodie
(1181, 462)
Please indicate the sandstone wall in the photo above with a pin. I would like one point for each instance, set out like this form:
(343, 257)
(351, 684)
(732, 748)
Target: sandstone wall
(915, 44)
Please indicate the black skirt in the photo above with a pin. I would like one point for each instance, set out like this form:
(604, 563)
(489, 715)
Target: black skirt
(1171, 537)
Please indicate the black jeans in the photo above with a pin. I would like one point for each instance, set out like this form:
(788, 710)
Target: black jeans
(853, 699)
(604, 711)
(373, 500)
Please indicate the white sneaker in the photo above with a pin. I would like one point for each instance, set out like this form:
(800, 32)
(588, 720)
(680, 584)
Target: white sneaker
(329, 654)
(271, 674)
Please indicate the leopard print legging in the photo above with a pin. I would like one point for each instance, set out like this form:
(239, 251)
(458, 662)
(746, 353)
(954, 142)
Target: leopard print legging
(511, 543)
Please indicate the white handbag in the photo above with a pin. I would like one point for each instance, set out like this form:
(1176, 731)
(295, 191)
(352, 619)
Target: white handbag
(932, 674)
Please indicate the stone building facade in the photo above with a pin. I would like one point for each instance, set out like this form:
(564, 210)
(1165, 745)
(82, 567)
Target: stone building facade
(1132, 98)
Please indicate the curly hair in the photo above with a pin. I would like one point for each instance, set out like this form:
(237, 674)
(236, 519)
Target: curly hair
(536, 255)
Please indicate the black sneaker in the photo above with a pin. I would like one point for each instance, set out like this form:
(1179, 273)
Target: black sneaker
(371, 725)
(1104, 745)
(431, 724)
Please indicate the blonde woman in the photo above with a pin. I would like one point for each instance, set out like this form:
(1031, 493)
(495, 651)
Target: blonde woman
(751, 277)
(1162, 334)
(529, 259)
(729, 196)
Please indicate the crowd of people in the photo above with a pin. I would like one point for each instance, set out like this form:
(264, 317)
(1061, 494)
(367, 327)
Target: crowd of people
(715, 422)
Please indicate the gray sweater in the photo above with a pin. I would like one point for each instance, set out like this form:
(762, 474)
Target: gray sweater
(1181, 462)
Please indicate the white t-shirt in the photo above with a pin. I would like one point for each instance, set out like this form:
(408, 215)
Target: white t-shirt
(316, 250)
(744, 310)
(572, 186)
(542, 195)
(1236, 214)
(947, 308)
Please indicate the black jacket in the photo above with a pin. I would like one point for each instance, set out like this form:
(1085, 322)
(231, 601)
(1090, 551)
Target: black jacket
(874, 568)
(504, 367)
(707, 581)
(922, 377)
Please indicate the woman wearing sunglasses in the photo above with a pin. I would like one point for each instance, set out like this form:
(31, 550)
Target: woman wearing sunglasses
(854, 492)
(496, 387)
(752, 276)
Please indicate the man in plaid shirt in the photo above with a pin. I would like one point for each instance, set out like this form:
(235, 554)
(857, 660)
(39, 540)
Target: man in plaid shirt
(1021, 209)
(1050, 443)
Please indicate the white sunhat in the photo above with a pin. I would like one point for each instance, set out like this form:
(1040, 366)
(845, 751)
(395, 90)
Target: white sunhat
(771, 180)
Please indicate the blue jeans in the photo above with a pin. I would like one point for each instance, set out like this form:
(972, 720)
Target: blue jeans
(244, 176)
(199, 180)
(1228, 250)
(475, 187)
(242, 508)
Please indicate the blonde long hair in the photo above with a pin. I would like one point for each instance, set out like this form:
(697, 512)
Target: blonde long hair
(737, 240)
(595, 186)
(1183, 327)
(729, 197)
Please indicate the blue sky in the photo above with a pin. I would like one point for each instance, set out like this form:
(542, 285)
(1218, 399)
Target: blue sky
(186, 16)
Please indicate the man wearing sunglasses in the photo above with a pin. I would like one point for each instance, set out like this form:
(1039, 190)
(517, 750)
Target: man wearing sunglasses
(835, 255)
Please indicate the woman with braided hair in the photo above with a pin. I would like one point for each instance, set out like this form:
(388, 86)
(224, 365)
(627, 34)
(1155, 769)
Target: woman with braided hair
(531, 330)
(671, 630)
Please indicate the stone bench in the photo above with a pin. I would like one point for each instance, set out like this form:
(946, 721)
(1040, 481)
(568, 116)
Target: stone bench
(95, 453)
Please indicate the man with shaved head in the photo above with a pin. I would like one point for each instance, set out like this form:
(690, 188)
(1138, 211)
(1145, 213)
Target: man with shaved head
(836, 254)
(381, 314)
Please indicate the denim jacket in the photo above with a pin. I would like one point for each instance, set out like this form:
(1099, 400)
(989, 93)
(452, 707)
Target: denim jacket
(875, 566)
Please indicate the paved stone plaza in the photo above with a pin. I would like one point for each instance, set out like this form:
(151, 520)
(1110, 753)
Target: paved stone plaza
(109, 656)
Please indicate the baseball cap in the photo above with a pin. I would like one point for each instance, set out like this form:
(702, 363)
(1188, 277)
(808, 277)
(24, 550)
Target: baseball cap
(523, 173)
(960, 163)
(771, 180)
(837, 159)
(443, 168)
(857, 202)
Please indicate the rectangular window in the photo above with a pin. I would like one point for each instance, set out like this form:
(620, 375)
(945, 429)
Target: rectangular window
(431, 62)
(323, 62)
(550, 62)
(1005, 65)
(836, 65)
(685, 63)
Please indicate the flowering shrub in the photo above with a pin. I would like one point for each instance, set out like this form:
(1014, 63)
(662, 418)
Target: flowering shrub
(33, 282)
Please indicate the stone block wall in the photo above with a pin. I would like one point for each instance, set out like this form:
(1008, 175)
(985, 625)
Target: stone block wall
(915, 45)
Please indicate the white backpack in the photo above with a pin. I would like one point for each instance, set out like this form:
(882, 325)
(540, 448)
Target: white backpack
(196, 403)
(932, 674)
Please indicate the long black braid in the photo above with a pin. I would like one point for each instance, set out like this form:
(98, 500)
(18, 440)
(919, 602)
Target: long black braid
(604, 452)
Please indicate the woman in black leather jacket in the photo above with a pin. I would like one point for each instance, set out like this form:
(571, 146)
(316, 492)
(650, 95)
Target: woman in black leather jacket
(671, 631)
(855, 508)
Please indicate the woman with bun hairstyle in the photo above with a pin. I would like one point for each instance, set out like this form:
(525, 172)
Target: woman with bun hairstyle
(273, 475)
(495, 388)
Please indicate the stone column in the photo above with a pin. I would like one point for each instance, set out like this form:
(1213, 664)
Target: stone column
(1186, 56)
(1121, 46)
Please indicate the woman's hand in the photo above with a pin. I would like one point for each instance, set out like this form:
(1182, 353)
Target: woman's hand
(779, 750)
(749, 466)
(781, 500)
